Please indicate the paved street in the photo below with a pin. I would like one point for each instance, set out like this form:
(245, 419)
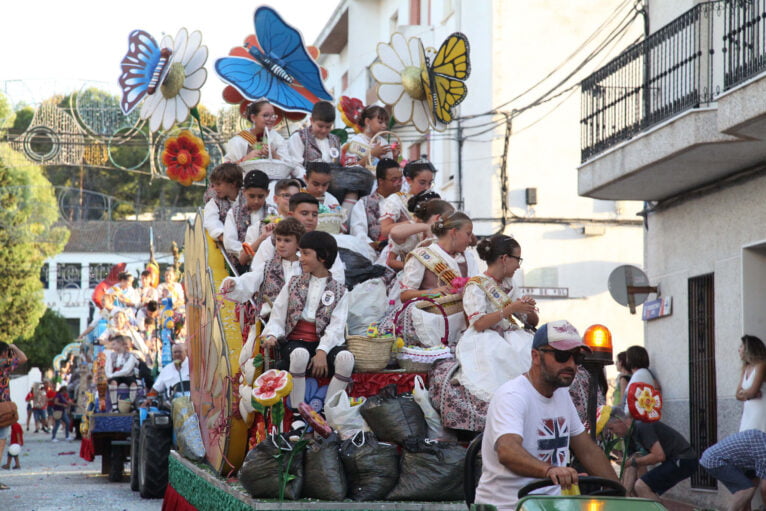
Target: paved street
(54, 477)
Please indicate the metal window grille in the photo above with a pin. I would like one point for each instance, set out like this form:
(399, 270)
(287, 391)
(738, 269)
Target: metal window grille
(97, 272)
(744, 40)
(703, 409)
(68, 276)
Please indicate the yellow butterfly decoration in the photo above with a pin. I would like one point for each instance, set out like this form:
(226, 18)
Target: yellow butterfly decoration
(422, 87)
(443, 79)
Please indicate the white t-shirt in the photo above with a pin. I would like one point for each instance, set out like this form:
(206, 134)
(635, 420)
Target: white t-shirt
(545, 426)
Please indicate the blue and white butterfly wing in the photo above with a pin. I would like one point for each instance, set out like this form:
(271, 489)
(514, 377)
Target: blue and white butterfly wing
(137, 68)
(250, 78)
(284, 45)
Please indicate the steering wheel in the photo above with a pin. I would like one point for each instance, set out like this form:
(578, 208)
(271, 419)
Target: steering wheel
(603, 486)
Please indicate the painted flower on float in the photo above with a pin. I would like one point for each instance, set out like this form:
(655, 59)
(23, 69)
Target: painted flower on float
(398, 72)
(180, 89)
(314, 420)
(602, 417)
(186, 158)
(644, 402)
(270, 387)
(351, 112)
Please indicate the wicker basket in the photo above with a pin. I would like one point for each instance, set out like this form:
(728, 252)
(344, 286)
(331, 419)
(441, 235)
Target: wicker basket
(414, 359)
(330, 223)
(450, 304)
(371, 354)
(438, 309)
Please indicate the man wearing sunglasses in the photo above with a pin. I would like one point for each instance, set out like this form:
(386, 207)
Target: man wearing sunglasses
(532, 423)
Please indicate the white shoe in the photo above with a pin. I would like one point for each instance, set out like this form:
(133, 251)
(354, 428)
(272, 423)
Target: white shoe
(69, 439)
(54, 439)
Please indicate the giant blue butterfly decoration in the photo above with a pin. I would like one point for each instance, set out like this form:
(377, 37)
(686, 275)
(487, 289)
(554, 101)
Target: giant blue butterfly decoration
(143, 69)
(274, 64)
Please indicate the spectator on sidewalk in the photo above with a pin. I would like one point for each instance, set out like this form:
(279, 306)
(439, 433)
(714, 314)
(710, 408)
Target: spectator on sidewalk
(667, 448)
(61, 405)
(731, 459)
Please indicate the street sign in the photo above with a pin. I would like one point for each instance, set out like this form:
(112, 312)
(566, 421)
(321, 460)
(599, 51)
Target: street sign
(658, 308)
(546, 292)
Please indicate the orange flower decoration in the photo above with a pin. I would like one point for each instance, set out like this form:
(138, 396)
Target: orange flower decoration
(186, 158)
(351, 112)
(644, 402)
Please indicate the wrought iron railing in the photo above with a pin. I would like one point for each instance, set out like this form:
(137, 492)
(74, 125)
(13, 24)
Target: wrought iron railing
(668, 72)
(744, 40)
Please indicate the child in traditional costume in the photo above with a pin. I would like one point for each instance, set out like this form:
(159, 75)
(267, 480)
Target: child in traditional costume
(283, 190)
(318, 178)
(360, 149)
(309, 315)
(497, 345)
(226, 182)
(264, 282)
(259, 142)
(305, 208)
(119, 370)
(419, 176)
(243, 230)
(315, 142)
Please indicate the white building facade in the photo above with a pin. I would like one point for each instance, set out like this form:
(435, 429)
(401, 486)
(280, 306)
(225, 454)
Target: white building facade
(678, 122)
(524, 184)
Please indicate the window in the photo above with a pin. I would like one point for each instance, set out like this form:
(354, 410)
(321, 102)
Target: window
(44, 277)
(96, 273)
(703, 408)
(68, 276)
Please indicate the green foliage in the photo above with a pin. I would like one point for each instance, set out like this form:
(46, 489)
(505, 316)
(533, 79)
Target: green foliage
(28, 211)
(49, 338)
(7, 115)
(22, 119)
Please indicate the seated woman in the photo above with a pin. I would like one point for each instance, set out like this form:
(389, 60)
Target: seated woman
(497, 345)
(430, 271)
(120, 370)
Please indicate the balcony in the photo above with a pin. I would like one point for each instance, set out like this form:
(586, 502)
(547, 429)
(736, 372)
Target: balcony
(680, 109)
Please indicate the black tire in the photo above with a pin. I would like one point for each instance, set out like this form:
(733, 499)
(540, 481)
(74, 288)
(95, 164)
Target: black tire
(117, 463)
(135, 435)
(106, 457)
(154, 449)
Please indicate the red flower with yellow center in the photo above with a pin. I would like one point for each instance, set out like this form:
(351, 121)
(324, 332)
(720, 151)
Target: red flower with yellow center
(272, 386)
(644, 402)
(186, 158)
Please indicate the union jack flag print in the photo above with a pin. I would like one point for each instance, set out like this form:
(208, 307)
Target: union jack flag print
(553, 441)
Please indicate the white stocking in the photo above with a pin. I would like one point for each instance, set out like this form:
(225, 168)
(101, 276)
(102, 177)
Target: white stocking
(113, 394)
(344, 366)
(133, 389)
(299, 361)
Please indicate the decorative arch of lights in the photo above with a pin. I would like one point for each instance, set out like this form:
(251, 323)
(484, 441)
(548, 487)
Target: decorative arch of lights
(95, 133)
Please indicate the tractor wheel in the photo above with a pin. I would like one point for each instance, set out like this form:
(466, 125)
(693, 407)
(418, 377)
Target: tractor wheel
(154, 449)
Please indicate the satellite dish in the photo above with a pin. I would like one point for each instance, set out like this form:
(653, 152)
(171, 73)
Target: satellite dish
(629, 286)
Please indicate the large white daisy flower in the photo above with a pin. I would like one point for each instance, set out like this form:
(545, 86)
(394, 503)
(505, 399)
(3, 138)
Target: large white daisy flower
(179, 91)
(398, 72)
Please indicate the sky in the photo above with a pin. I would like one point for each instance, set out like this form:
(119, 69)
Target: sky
(49, 47)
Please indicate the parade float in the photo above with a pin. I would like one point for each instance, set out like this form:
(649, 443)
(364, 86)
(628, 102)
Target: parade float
(382, 441)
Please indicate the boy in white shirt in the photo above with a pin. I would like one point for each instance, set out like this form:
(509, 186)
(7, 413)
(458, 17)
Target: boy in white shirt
(225, 184)
(243, 231)
(310, 315)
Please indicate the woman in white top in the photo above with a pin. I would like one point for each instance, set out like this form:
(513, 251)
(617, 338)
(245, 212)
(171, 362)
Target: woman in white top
(751, 383)
(120, 370)
(406, 236)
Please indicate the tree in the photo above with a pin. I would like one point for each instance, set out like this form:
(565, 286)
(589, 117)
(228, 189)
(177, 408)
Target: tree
(49, 338)
(28, 236)
(7, 115)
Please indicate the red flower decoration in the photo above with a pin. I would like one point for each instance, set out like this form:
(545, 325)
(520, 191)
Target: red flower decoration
(314, 420)
(644, 402)
(458, 283)
(351, 112)
(186, 158)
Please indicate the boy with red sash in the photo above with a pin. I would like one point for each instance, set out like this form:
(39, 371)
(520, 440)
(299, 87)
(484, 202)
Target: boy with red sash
(309, 316)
